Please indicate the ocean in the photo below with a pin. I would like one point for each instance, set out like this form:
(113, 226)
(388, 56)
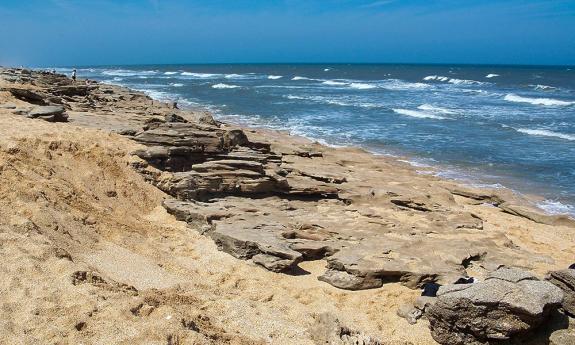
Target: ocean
(492, 126)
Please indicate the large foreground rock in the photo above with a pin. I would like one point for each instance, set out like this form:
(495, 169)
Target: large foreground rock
(510, 302)
(565, 280)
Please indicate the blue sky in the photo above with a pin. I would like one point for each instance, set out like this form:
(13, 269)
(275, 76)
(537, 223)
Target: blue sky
(95, 32)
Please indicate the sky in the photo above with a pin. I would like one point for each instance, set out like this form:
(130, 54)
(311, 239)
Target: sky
(107, 32)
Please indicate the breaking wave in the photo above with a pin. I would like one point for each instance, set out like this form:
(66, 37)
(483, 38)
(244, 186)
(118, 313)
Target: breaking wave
(429, 107)
(546, 133)
(536, 101)
(225, 86)
(201, 75)
(362, 86)
(274, 77)
(491, 75)
(418, 114)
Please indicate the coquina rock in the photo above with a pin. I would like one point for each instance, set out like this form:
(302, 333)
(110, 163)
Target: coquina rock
(510, 302)
(565, 280)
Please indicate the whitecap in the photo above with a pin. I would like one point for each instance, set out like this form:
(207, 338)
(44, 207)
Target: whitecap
(170, 73)
(225, 86)
(334, 83)
(238, 76)
(274, 77)
(201, 75)
(300, 78)
(176, 84)
(464, 82)
(418, 114)
(118, 79)
(396, 84)
(436, 77)
(556, 207)
(333, 101)
(546, 133)
(543, 87)
(491, 75)
(536, 101)
(429, 107)
(327, 69)
(127, 73)
(362, 86)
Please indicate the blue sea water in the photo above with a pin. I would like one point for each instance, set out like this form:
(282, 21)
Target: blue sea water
(487, 125)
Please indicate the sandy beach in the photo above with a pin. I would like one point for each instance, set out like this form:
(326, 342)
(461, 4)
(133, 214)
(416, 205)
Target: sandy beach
(124, 220)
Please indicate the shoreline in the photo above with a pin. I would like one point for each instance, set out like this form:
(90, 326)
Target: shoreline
(250, 235)
(540, 197)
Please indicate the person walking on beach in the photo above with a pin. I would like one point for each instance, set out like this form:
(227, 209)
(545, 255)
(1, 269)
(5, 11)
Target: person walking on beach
(74, 74)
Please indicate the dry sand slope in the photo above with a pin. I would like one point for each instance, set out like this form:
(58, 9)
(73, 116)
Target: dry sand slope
(89, 255)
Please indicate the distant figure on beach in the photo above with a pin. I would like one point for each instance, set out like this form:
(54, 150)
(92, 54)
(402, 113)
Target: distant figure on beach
(175, 105)
(74, 74)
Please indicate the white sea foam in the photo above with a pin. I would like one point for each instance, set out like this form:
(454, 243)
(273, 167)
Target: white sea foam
(170, 73)
(225, 86)
(326, 69)
(536, 101)
(274, 77)
(464, 82)
(418, 114)
(396, 84)
(118, 79)
(177, 84)
(431, 108)
(201, 75)
(491, 75)
(127, 73)
(334, 101)
(543, 87)
(334, 83)
(546, 133)
(362, 86)
(452, 80)
(556, 207)
(300, 78)
(436, 77)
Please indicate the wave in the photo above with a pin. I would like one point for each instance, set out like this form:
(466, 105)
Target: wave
(274, 77)
(127, 73)
(418, 114)
(429, 107)
(362, 86)
(225, 86)
(464, 82)
(396, 84)
(201, 75)
(327, 69)
(543, 87)
(170, 73)
(300, 78)
(436, 77)
(491, 75)
(536, 101)
(556, 207)
(334, 101)
(176, 84)
(334, 83)
(546, 133)
(452, 80)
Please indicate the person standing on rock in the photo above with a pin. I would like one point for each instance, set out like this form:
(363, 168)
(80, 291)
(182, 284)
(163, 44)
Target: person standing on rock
(74, 74)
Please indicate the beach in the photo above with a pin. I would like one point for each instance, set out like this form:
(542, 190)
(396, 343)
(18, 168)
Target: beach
(124, 219)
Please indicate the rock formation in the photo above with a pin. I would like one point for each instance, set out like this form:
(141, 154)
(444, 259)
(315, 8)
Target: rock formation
(510, 302)
(565, 280)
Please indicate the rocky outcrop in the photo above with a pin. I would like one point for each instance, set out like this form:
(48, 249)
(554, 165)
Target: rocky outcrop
(51, 113)
(509, 303)
(565, 280)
